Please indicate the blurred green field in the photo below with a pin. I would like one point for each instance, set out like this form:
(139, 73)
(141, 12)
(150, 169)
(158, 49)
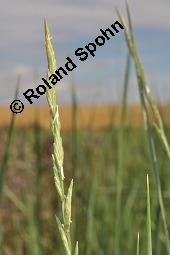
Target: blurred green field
(91, 158)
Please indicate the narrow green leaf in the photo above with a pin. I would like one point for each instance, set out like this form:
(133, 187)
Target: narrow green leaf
(137, 248)
(5, 157)
(149, 234)
(129, 20)
(145, 97)
(76, 252)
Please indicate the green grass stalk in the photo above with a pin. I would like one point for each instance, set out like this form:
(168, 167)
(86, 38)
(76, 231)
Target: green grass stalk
(90, 232)
(119, 176)
(137, 247)
(5, 158)
(74, 133)
(142, 84)
(38, 180)
(149, 234)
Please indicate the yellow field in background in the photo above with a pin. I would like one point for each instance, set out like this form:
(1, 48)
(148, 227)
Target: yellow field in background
(93, 117)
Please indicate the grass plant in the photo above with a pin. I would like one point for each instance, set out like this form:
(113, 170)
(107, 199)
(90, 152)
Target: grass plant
(58, 155)
(146, 97)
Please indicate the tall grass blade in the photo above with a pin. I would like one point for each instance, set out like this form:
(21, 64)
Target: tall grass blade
(74, 131)
(76, 249)
(15, 200)
(27, 210)
(149, 234)
(37, 148)
(158, 123)
(90, 234)
(144, 97)
(5, 158)
(137, 248)
(156, 231)
(119, 177)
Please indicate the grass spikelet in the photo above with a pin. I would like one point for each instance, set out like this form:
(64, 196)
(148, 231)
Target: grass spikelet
(58, 153)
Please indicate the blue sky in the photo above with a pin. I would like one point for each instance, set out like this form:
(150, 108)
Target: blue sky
(73, 24)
